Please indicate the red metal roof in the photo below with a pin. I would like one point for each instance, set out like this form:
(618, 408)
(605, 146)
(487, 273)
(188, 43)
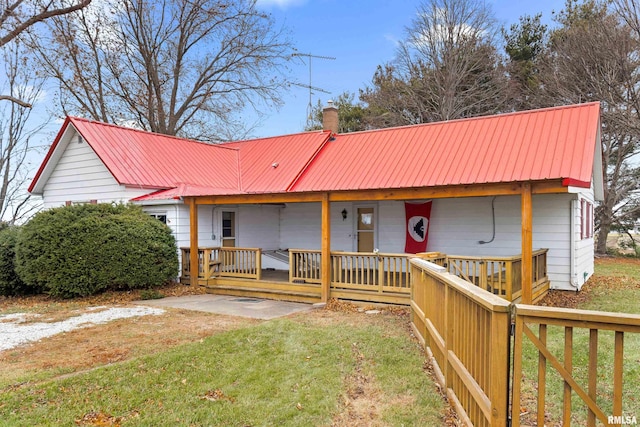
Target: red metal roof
(184, 167)
(145, 159)
(270, 165)
(552, 143)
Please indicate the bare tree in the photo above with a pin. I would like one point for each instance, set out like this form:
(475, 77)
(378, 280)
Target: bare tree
(180, 67)
(447, 68)
(16, 134)
(594, 56)
(17, 16)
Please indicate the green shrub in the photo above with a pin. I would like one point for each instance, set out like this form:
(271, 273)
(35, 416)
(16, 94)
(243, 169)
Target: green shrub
(10, 282)
(81, 250)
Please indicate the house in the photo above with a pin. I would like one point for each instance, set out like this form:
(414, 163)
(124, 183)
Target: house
(511, 200)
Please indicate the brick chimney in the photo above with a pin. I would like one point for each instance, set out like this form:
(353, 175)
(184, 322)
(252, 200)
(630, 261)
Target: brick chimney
(330, 117)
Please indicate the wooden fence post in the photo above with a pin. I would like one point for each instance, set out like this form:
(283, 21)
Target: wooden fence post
(527, 244)
(325, 286)
(259, 264)
(193, 242)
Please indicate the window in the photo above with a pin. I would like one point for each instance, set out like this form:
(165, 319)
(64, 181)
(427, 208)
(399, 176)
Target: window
(586, 219)
(228, 229)
(162, 217)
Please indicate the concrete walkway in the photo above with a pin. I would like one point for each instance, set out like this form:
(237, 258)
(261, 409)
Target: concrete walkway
(255, 308)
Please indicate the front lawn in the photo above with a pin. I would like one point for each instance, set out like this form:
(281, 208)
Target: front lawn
(323, 368)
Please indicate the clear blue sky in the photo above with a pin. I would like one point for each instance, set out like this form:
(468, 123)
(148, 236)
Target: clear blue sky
(361, 35)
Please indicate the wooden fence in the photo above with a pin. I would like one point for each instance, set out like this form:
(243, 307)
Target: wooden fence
(582, 381)
(465, 331)
(466, 334)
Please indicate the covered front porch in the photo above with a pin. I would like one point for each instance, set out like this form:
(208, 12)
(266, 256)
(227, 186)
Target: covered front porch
(371, 277)
(315, 275)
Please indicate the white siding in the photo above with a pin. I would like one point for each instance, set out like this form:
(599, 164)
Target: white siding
(457, 226)
(80, 176)
(181, 228)
(300, 225)
(259, 226)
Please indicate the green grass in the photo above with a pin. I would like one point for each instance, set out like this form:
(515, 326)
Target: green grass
(283, 372)
(615, 289)
(618, 267)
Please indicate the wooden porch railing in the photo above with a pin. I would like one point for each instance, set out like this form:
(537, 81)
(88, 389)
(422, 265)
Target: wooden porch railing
(465, 331)
(500, 275)
(304, 265)
(380, 273)
(225, 262)
(377, 272)
(582, 381)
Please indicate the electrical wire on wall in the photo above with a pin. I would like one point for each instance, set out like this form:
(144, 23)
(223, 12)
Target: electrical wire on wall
(493, 218)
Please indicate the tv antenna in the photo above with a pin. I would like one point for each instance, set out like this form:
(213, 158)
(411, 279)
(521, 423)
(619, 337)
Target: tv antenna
(309, 86)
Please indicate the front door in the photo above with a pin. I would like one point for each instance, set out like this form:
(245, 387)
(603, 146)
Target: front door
(229, 229)
(365, 228)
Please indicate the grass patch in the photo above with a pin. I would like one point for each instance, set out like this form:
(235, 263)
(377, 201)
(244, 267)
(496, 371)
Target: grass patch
(282, 372)
(618, 267)
(615, 287)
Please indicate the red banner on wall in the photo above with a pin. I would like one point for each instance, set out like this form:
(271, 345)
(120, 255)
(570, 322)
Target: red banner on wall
(418, 215)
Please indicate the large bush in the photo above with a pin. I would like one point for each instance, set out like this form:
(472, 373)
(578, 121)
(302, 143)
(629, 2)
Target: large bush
(10, 282)
(84, 249)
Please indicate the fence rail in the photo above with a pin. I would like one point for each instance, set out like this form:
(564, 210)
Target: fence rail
(500, 275)
(581, 381)
(466, 334)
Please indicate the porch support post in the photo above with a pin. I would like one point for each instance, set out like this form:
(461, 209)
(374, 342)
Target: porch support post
(193, 242)
(325, 276)
(527, 244)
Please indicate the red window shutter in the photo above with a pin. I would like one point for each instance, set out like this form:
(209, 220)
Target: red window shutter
(67, 203)
(591, 227)
(582, 219)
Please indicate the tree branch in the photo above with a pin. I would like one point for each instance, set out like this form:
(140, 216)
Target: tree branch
(15, 100)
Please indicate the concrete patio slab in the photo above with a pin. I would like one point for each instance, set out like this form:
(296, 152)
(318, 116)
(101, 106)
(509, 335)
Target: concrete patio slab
(255, 308)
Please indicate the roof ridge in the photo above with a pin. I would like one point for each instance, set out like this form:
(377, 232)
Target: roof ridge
(147, 132)
(309, 162)
(491, 116)
(240, 141)
(213, 144)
